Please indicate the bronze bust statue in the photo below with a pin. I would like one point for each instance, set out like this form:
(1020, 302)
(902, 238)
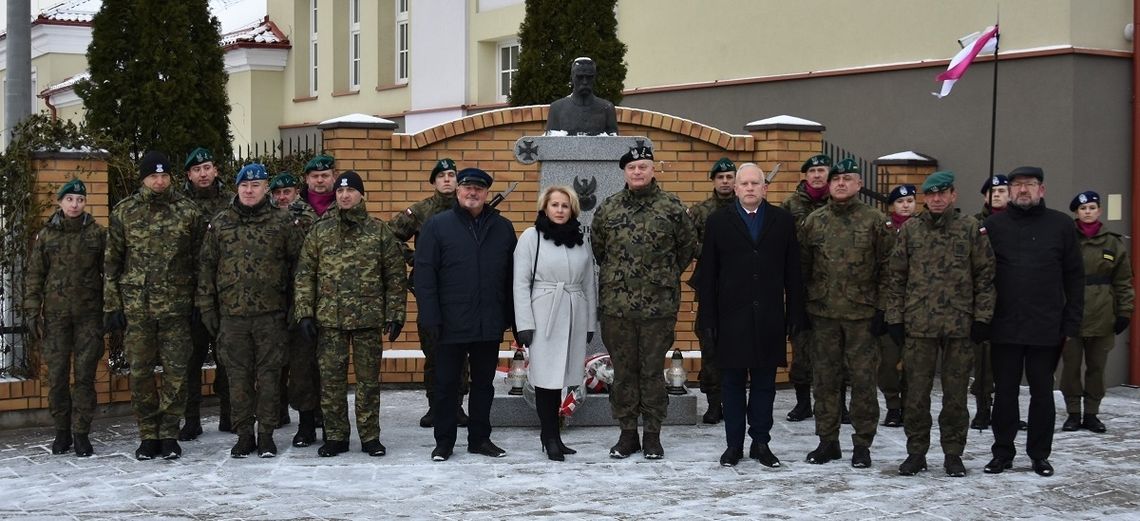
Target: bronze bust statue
(582, 113)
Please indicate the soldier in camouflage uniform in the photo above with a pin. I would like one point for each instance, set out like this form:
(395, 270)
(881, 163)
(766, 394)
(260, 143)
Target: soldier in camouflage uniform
(148, 290)
(406, 226)
(845, 250)
(63, 302)
(350, 290)
(285, 194)
(723, 176)
(995, 196)
(318, 191)
(204, 188)
(891, 381)
(810, 195)
(643, 240)
(244, 278)
(940, 302)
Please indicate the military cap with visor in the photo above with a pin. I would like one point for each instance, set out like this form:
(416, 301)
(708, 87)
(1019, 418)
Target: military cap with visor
(474, 176)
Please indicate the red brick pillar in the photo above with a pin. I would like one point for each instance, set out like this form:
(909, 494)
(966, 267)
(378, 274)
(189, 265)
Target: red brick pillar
(788, 140)
(906, 167)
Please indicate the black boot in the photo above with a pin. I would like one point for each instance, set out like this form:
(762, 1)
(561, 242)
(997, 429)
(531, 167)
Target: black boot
(844, 415)
(546, 405)
(191, 428)
(1072, 423)
(627, 444)
(651, 445)
(83, 445)
(914, 464)
(244, 447)
(170, 449)
(826, 451)
(62, 443)
(148, 449)
(332, 448)
(982, 417)
(894, 418)
(715, 412)
(266, 448)
(802, 410)
(306, 430)
(224, 423)
(1092, 423)
(283, 416)
(562, 446)
(427, 421)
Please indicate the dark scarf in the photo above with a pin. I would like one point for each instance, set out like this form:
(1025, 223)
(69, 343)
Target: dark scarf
(568, 234)
(1088, 229)
(898, 220)
(816, 194)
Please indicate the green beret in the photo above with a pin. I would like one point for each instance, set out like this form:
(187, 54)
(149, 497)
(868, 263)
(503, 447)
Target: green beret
(816, 160)
(321, 162)
(938, 182)
(724, 164)
(440, 166)
(74, 186)
(198, 156)
(847, 166)
(284, 180)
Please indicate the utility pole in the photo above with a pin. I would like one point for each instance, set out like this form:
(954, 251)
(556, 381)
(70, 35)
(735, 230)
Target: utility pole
(18, 79)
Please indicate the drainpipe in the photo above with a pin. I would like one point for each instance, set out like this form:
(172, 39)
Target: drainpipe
(55, 115)
(1134, 330)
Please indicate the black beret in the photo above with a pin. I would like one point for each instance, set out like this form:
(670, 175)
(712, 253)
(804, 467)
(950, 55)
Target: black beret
(901, 191)
(816, 160)
(440, 166)
(1085, 197)
(635, 154)
(995, 180)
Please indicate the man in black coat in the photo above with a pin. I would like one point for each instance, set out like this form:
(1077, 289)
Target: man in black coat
(463, 269)
(1040, 299)
(751, 294)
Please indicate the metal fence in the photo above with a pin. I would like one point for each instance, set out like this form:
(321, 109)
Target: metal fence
(13, 352)
(873, 176)
(278, 148)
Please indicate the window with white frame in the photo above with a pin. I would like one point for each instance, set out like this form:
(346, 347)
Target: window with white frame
(508, 67)
(402, 41)
(312, 47)
(354, 45)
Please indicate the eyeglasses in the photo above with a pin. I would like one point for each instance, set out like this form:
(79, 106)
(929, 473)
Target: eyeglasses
(1025, 184)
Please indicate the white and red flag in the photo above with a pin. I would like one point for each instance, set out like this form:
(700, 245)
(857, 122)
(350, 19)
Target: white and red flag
(986, 43)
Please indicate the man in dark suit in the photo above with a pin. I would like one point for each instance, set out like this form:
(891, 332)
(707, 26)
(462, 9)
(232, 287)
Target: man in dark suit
(751, 295)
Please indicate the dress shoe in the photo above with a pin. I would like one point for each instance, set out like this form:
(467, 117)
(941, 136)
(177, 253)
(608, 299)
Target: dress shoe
(1042, 467)
(861, 457)
(171, 449)
(306, 430)
(1092, 423)
(148, 449)
(997, 465)
(731, 456)
(627, 444)
(894, 418)
(82, 445)
(62, 442)
(428, 419)
(487, 448)
(714, 414)
(1072, 422)
(191, 429)
(914, 464)
(244, 447)
(461, 418)
(266, 448)
(651, 445)
(954, 467)
(825, 452)
(562, 446)
(332, 448)
(552, 450)
(1022, 425)
(440, 453)
(373, 448)
(760, 452)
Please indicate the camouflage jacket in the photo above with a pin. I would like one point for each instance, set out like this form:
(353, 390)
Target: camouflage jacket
(64, 273)
(350, 274)
(700, 213)
(212, 200)
(151, 258)
(642, 242)
(941, 276)
(800, 204)
(406, 224)
(246, 264)
(301, 213)
(1108, 282)
(844, 249)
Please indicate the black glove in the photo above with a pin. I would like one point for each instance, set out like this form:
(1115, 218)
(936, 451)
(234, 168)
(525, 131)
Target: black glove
(429, 333)
(979, 332)
(114, 321)
(525, 337)
(709, 334)
(1120, 325)
(393, 329)
(210, 321)
(897, 333)
(878, 324)
(308, 328)
(589, 336)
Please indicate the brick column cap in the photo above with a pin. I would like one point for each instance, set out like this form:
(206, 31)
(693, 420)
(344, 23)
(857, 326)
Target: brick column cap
(71, 153)
(908, 158)
(784, 122)
(357, 120)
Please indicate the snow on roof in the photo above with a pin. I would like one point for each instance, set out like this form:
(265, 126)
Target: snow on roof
(74, 12)
(262, 32)
(357, 118)
(65, 84)
(783, 119)
(908, 155)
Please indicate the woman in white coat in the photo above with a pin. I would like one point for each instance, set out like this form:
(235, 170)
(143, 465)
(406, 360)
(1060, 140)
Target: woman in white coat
(555, 306)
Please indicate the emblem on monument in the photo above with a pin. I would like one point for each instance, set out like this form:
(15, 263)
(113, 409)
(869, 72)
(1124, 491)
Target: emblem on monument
(586, 189)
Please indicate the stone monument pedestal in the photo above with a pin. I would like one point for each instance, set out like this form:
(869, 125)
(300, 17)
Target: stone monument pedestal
(514, 411)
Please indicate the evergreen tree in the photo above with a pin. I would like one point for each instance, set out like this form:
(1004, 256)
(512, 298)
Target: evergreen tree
(552, 34)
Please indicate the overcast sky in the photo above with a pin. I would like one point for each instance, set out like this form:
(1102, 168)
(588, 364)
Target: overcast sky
(232, 13)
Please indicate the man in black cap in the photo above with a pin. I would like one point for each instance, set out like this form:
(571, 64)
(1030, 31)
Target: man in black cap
(995, 198)
(723, 177)
(463, 264)
(1040, 300)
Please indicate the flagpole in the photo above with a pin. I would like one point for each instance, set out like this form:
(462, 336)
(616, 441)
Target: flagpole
(993, 104)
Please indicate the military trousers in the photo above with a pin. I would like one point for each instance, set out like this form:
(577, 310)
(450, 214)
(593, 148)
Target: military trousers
(429, 350)
(254, 349)
(149, 342)
(333, 346)
(835, 343)
(1037, 364)
(983, 385)
(709, 376)
(202, 342)
(482, 357)
(67, 336)
(799, 373)
(637, 348)
(892, 379)
(1093, 351)
(304, 382)
(921, 357)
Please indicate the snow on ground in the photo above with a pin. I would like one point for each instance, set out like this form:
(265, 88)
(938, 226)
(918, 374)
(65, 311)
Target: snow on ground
(1098, 476)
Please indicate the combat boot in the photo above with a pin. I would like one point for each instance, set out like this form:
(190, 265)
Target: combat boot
(914, 464)
(306, 430)
(266, 448)
(802, 410)
(715, 412)
(427, 421)
(62, 443)
(651, 445)
(373, 448)
(83, 445)
(1072, 423)
(861, 457)
(982, 418)
(627, 444)
(170, 449)
(332, 448)
(224, 423)
(825, 452)
(954, 467)
(844, 414)
(148, 449)
(244, 446)
(191, 429)
(283, 416)
(1092, 423)
(894, 418)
